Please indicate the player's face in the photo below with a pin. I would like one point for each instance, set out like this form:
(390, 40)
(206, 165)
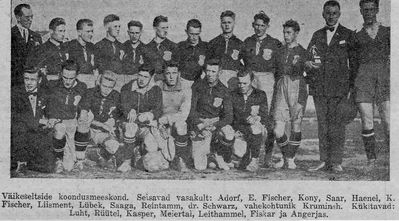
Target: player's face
(68, 78)
(162, 30)
(134, 33)
(86, 33)
(369, 11)
(171, 75)
(26, 18)
(260, 27)
(106, 86)
(59, 33)
(244, 84)
(31, 81)
(289, 35)
(193, 35)
(143, 79)
(331, 14)
(212, 73)
(227, 25)
(114, 28)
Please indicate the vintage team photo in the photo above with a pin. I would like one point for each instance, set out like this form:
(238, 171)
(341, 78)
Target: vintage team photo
(200, 90)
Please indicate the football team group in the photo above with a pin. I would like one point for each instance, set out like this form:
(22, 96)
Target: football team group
(193, 105)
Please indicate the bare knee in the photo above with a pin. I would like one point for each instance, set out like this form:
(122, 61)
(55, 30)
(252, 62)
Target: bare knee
(228, 132)
(279, 129)
(59, 130)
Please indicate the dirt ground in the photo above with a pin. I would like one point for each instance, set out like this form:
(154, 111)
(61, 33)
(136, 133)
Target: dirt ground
(307, 156)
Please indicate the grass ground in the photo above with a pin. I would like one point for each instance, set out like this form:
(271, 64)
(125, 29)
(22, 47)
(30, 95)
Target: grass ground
(307, 156)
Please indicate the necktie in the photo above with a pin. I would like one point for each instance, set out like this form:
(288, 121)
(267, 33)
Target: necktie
(85, 53)
(330, 28)
(24, 35)
(257, 49)
(113, 47)
(32, 100)
(227, 45)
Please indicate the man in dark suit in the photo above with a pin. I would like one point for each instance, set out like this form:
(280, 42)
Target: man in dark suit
(30, 137)
(331, 78)
(23, 40)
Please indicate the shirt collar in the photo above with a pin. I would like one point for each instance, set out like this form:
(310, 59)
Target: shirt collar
(21, 28)
(176, 87)
(54, 42)
(136, 88)
(335, 27)
(110, 39)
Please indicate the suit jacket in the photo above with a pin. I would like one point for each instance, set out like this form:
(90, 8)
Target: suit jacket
(22, 117)
(19, 52)
(336, 74)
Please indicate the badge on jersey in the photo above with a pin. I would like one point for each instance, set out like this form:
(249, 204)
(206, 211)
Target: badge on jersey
(121, 54)
(201, 60)
(217, 102)
(77, 98)
(295, 60)
(141, 60)
(111, 109)
(267, 54)
(67, 56)
(255, 110)
(167, 55)
(235, 54)
(342, 42)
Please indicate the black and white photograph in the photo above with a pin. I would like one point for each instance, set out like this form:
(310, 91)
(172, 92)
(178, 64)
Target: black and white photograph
(224, 93)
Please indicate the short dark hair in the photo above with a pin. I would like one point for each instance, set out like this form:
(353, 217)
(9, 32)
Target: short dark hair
(18, 9)
(332, 3)
(376, 2)
(292, 24)
(55, 22)
(171, 64)
(159, 19)
(213, 62)
(147, 68)
(195, 23)
(70, 65)
(84, 21)
(262, 15)
(33, 70)
(244, 73)
(135, 23)
(110, 18)
(228, 13)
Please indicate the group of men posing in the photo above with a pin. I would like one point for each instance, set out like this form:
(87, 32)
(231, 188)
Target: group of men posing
(193, 104)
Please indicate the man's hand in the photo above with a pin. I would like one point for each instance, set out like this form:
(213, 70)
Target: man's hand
(206, 133)
(163, 120)
(84, 115)
(312, 65)
(132, 116)
(253, 119)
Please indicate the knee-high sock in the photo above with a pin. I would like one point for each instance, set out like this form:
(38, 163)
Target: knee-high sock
(370, 143)
(293, 144)
(81, 142)
(282, 142)
(224, 149)
(58, 147)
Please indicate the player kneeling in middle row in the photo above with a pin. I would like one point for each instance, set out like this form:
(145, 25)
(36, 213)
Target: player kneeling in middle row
(176, 93)
(103, 102)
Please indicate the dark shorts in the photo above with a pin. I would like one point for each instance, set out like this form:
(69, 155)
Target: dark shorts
(372, 83)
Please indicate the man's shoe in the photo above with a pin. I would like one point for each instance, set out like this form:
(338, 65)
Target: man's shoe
(337, 168)
(59, 166)
(125, 166)
(279, 164)
(290, 163)
(21, 168)
(253, 166)
(268, 162)
(181, 166)
(78, 166)
(371, 165)
(322, 166)
(220, 162)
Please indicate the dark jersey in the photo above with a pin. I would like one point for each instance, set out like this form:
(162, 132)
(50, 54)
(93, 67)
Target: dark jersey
(109, 55)
(227, 51)
(83, 55)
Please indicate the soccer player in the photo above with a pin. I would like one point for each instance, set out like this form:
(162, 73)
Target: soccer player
(64, 104)
(176, 100)
(260, 53)
(161, 45)
(23, 41)
(291, 94)
(51, 54)
(331, 76)
(30, 136)
(136, 52)
(191, 53)
(210, 119)
(110, 52)
(226, 47)
(250, 116)
(141, 104)
(104, 104)
(372, 83)
(82, 51)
